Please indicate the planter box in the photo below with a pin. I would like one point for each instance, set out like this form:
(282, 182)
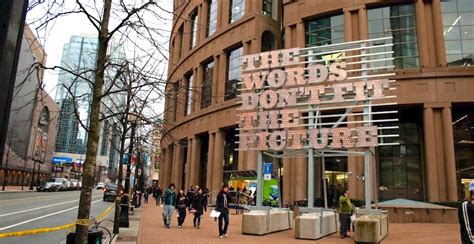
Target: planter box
(371, 228)
(259, 222)
(310, 226)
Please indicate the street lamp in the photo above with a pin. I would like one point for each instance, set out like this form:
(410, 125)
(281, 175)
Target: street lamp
(125, 202)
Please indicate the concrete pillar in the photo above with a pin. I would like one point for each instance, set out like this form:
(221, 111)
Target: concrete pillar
(196, 161)
(210, 164)
(421, 30)
(301, 178)
(189, 162)
(287, 181)
(177, 166)
(449, 155)
(202, 23)
(251, 160)
(218, 160)
(438, 33)
(223, 13)
(198, 94)
(221, 77)
(300, 35)
(363, 26)
(431, 167)
(442, 189)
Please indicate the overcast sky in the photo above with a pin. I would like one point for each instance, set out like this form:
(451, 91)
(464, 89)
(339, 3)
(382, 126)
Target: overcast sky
(61, 30)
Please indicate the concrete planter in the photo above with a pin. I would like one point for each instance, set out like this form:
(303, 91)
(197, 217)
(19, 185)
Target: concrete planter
(261, 222)
(371, 228)
(310, 226)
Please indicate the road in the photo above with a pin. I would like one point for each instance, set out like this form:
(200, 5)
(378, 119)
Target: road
(33, 210)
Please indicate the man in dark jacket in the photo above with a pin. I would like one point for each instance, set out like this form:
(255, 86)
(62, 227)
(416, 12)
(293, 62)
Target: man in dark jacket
(169, 199)
(466, 217)
(222, 205)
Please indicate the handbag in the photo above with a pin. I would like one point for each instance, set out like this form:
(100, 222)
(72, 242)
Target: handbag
(215, 214)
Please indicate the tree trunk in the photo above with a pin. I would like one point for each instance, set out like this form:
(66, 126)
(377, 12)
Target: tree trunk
(122, 152)
(94, 128)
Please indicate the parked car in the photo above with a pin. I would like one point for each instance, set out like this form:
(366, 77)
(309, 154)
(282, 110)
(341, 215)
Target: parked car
(110, 192)
(75, 184)
(54, 184)
(100, 185)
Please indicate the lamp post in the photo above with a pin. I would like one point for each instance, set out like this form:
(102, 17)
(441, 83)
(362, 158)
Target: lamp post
(125, 202)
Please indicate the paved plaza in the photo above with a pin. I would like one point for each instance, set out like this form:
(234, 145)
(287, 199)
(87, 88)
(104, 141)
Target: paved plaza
(152, 231)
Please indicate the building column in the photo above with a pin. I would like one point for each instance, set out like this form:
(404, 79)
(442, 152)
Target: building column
(449, 155)
(301, 178)
(188, 165)
(210, 166)
(177, 166)
(221, 77)
(223, 14)
(438, 125)
(287, 181)
(218, 160)
(363, 24)
(422, 34)
(300, 35)
(197, 95)
(251, 160)
(438, 33)
(431, 167)
(196, 162)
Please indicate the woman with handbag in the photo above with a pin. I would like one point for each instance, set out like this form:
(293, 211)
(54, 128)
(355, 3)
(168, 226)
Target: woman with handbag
(197, 206)
(181, 203)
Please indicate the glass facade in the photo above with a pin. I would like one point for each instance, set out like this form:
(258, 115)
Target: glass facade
(268, 42)
(194, 27)
(105, 139)
(237, 10)
(400, 166)
(458, 22)
(463, 131)
(325, 31)
(267, 7)
(211, 17)
(188, 104)
(206, 88)
(234, 73)
(399, 22)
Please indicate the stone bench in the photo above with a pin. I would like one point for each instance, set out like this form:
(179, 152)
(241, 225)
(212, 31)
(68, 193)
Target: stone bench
(371, 228)
(261, 222)
(310, 226)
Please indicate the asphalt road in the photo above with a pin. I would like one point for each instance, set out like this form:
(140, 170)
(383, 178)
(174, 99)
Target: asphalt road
(32, 210)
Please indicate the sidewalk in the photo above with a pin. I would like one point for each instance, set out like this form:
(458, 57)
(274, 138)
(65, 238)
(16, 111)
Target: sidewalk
(152, 231)
(17, 189)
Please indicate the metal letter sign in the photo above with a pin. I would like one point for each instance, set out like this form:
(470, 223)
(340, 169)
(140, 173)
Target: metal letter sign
(322, 101)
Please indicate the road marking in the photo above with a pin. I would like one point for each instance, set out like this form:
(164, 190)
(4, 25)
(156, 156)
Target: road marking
(42, 217)
(53, 195)
(38, 208)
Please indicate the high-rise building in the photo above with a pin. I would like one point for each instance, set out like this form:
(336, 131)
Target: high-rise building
(74, 96)
(433, 50)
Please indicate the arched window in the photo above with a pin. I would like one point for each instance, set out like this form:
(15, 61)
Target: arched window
(268, 41)
(41, 136)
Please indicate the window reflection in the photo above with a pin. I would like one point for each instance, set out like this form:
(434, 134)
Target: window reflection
(206, 89)
(325, 31)
(237, 10)
(234, 72)
(399, 22)
(458, 31)
(211, 17)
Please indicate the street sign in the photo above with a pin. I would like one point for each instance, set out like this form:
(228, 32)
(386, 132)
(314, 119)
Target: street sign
(267, 171)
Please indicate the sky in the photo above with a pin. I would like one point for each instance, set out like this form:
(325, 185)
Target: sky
(59, 32)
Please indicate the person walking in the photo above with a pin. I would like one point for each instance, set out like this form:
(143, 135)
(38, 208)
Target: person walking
(237, 201)
(345, 212)
(181, 204)
(146, 194)
(466, 217)
(158, 194)
(197, 206)
(222, 206)
(190, 195)
(169, 199)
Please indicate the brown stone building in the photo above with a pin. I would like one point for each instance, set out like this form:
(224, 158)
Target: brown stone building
(433, 51)
(33, 120)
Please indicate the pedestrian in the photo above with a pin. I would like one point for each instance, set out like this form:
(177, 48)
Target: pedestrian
(190, 195)
(466, 217)
(169, 199)
(237, 201)
(206, 196)
(197, 207)
(345, 212)
(158, 193)
(181, 204)
(222, 206)
(145, 195)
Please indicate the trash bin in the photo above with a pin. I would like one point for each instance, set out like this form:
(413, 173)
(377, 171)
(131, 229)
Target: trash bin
(93, 237)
